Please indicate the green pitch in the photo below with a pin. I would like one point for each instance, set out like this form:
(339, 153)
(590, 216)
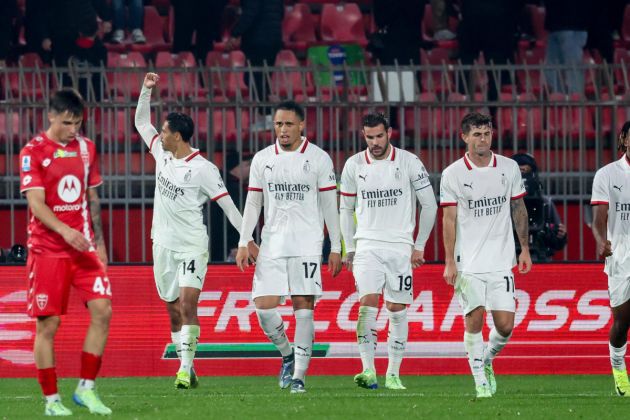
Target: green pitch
(439, 397)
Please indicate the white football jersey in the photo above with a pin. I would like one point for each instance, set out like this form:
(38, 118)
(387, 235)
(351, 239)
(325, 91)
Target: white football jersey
(484, 241)
(385, 193)
(290, 183)
(612, 186)
(182, 186)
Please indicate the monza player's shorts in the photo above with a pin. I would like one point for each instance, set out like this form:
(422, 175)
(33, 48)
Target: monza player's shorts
(50, 279)
(618, 290)
(173, 270)
(288, 276)
(494, 291)
(384, 271)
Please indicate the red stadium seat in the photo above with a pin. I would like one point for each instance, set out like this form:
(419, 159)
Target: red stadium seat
(437, 80)
(32, 83)
(425, 119)
(565, 118)
(298, 28)
(342, 23)
(125, 74)
(428, 29)
(537, 16)
(286, 83)
(153, 31)
(182, 78)
(531, 81)
(10, 129)
(519, 121)
(625, 27)
(224, 77)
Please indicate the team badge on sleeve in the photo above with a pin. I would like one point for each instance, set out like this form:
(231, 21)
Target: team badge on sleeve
(26, 163)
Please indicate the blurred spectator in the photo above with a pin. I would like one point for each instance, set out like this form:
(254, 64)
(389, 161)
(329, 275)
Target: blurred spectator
(439, 10)
(135, 10)
(547, 234)
(8, 11)
(490, 27)
(259, 33)
(567, 22)
(399, 32)
(89, 52)
(203, 17)
(57, 28)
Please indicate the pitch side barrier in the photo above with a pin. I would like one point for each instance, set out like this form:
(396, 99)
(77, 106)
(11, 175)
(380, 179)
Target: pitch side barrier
(562, 322)
(570, 135)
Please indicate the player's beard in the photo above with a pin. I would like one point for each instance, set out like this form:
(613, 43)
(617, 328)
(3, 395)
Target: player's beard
(380, 151)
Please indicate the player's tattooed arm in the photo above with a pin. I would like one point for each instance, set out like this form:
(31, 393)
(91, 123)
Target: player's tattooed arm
(521, 221)
(97, 225)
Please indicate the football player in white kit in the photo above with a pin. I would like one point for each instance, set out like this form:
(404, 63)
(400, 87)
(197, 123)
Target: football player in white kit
(184, 182)
(381, 184)
(611, 228)
(478, 194)
(295, 182)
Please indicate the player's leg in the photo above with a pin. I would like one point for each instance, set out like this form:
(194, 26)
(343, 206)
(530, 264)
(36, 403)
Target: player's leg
(398, 294)
(190, 274)
(471, 291)
(93, 285)
(619, 290)
(49, 287)
(303, 341)
(501, 303)
(305, 286)
(269, 287)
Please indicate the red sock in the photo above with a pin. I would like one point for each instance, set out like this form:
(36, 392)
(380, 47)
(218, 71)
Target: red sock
(90, 365)
(47, 379)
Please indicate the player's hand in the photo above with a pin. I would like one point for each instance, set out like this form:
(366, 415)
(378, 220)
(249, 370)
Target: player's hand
(562, 231)
(417, 258)
(450, 273)
(75, 239)
(107, 26)
(150, 80)
(349, 260)
(604, 249)
(102, 254)
(334, 263)
(524, 261)
(46, 44)
(253, 250)
(242, 258)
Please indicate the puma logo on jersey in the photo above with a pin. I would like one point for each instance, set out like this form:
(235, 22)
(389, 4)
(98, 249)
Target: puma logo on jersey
(269, 167)
(304, 349)
(618, 187)
(468, 185)
(363, 177)
(318, 284)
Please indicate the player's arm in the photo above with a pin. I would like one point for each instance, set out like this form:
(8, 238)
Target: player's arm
(328, 203)
(36, 199)
(234, 216)
(449, 219)
(599, 228)
(521, 226)
(428, 211)
(97, 225)
(251, 213)
(143, 111)
(348, 228)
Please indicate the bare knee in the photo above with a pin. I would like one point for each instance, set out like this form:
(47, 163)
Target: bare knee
(188, 310)
(505, 330)
(47, 327)
(101, 313)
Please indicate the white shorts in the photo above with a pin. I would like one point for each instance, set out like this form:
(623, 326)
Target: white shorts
(493, 291)
(618, 290)
(173, 270)
(287, 276)
(384, 271)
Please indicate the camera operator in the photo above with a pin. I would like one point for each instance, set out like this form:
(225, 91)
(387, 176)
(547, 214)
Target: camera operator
(546, 233)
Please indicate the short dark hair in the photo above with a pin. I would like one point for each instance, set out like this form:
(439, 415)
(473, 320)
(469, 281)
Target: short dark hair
(182, 124)
(525, 159)
(623, 135)
(290, 106)
(67, 100)
(374, 119)
(475, 119)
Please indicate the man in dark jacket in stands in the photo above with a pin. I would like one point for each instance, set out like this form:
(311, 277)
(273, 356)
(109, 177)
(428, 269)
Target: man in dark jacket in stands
(259, 31)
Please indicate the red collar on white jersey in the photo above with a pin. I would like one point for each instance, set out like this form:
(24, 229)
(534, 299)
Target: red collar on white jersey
(470, 165)
(191, 156)
(392, 155)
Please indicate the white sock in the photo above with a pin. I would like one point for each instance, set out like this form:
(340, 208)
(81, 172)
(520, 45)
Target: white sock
(273, 327)
(496, 342)
(178, 344)
(303, 341)
(52, 398)
(473, 343)
(396, 340)
(189, 336)
(85, 384)
(618, 357)
(367, 336)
